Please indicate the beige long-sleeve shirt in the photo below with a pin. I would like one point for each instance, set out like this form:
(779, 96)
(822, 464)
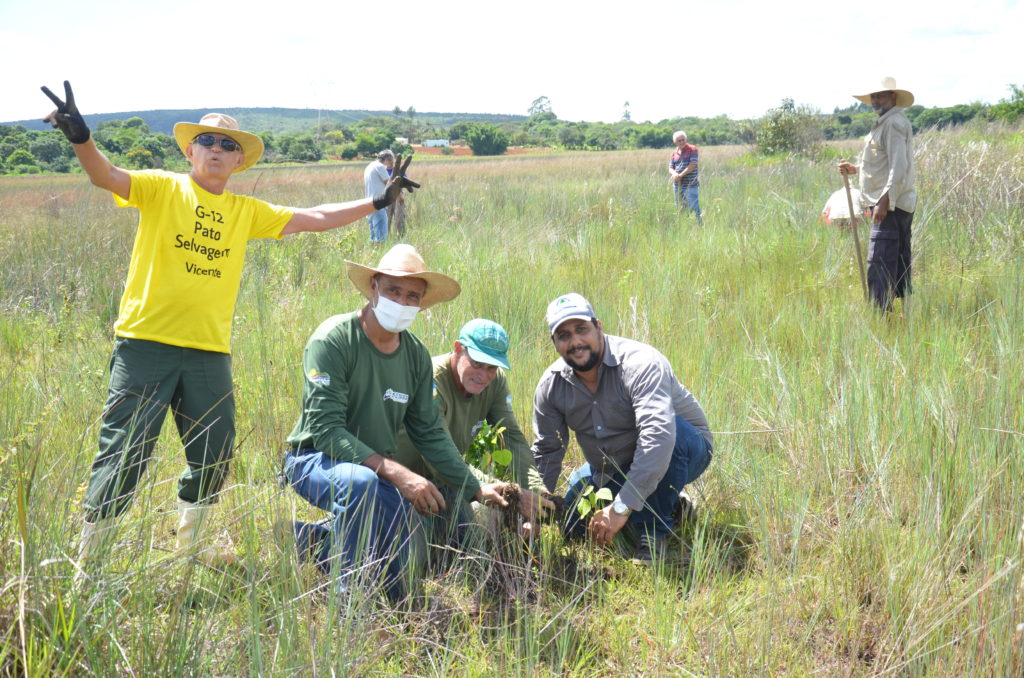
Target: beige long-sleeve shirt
(887, 162)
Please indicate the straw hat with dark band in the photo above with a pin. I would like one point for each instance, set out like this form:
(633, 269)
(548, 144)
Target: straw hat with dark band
(218, 123)
(403, 261)
(903, 97)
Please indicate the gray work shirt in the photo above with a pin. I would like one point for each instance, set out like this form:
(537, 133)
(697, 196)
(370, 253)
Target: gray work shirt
(629, 423)
(887, 162)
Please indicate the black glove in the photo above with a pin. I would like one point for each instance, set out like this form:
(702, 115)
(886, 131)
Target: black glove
(67, 118)
(394, 187)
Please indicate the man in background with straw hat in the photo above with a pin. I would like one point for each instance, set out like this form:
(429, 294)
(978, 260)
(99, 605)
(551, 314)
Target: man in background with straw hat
(174, 327)
(887, 185)
(365, 376)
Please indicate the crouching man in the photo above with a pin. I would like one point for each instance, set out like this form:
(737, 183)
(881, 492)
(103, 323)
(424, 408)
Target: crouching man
(643, 435)
(470, 390)
(365, 376)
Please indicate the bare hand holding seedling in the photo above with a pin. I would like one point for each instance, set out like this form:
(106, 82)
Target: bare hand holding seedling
(605, 525)
(491, 494)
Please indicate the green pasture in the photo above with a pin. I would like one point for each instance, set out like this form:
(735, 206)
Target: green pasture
(862, 514)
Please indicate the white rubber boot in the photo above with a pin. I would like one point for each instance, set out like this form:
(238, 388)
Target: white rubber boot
(93, 545)
(193, 523)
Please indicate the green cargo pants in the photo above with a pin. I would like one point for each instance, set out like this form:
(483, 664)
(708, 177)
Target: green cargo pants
(145, 378)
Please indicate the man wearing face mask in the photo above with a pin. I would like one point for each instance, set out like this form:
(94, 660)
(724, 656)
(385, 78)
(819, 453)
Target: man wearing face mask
(365, 376)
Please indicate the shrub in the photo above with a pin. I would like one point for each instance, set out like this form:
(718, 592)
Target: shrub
(790, 129)
(486, 139)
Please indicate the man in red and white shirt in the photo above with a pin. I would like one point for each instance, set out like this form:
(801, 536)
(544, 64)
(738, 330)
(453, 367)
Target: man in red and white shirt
(682, 167)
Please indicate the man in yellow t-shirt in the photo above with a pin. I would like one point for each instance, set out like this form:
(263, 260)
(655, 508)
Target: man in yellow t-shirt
(174, 327)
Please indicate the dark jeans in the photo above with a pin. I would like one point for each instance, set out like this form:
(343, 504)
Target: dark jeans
(889, 258)
(375, 533)
(690, 458)
(147, 377)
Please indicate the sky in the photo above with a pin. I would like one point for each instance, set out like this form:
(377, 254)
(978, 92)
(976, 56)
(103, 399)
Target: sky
(737, 58)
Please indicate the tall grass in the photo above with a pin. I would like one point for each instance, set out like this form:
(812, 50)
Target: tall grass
(862, 514)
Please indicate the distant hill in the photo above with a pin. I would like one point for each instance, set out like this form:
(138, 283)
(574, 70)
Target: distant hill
(276, 120)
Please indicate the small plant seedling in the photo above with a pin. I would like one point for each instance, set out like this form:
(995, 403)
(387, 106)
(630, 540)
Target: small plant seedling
(590, 501)
(487, 452)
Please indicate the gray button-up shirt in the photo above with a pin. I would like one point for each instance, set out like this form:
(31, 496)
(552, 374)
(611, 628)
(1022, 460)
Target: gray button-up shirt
(628, 424)
(887, 162)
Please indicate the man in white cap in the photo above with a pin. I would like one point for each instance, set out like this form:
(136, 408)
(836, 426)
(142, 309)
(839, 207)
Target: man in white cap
(643, 435)
(174, 327)
(471, 391)
(365, 376)
(887, 186)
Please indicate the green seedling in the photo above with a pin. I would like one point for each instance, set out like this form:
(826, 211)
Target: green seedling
(487, 452)
(591, 501)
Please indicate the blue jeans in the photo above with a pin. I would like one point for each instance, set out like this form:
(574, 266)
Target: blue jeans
(378, 225)
(690, 458)
(374, 527)
(687, 195)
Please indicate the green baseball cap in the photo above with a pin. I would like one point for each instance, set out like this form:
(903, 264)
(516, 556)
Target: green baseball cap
(486, 341)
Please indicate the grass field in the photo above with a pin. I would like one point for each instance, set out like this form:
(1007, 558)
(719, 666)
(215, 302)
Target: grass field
(862, 514)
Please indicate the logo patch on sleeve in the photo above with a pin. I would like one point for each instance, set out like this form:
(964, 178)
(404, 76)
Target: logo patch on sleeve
(319, 378)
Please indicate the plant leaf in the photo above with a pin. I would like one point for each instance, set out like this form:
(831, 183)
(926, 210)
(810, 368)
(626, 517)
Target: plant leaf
(502, 457)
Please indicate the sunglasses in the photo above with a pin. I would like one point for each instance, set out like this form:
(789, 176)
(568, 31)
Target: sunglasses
(208, 140)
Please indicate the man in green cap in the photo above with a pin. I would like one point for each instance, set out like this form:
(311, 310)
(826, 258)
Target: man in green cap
(471, 391)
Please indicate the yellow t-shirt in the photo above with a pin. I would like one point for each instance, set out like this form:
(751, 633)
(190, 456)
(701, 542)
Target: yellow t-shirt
(187, 260)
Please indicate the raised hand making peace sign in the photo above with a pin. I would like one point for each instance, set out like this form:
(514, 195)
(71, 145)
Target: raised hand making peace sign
(66, 117)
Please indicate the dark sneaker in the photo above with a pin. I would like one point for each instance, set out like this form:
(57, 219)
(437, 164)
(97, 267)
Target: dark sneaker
(685, 509)
(306, 538)
(686, 506)
(651, 547)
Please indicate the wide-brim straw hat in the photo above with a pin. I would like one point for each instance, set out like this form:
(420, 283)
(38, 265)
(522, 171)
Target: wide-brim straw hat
(218, 123)
(403, 261)
(904, 98)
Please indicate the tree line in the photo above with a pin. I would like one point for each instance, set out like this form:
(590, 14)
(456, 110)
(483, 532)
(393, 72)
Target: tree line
(788, 128)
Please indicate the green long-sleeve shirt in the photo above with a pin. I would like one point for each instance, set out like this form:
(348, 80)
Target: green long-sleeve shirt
(355, 398)
(463, 416)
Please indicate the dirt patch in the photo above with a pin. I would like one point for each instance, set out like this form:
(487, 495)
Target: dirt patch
(512, 494)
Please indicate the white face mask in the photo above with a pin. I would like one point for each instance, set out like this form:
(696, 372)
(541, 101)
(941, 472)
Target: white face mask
(392, 316)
